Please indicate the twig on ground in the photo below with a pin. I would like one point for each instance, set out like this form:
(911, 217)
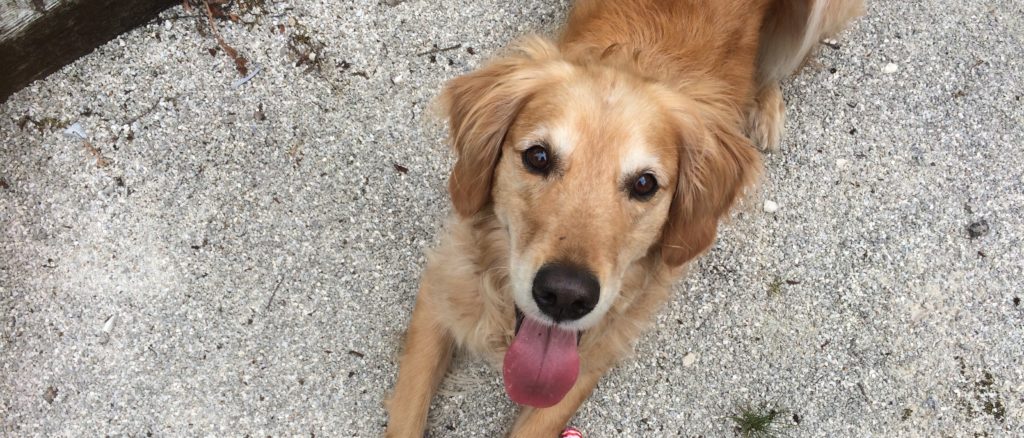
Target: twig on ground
(274, 293)
(101, 161)
(439, 50)
(240, 61)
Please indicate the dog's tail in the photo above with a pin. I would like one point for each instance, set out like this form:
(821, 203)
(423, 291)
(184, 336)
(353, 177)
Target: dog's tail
(793, 28)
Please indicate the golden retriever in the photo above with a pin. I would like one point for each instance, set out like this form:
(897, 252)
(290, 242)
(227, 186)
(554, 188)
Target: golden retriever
(590, 171)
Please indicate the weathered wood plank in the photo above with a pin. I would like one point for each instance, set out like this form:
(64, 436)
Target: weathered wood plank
(37, 37)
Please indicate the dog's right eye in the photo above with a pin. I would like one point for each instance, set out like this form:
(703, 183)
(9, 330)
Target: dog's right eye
(643, 187)
(536, 159)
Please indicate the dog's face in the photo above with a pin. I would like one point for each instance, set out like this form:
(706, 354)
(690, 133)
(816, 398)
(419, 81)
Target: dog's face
(583, 184)
(590, 167)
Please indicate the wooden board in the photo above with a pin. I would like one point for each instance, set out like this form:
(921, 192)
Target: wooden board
(37, 37)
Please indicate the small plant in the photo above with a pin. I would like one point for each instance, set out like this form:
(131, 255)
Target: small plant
(761, 422)
(43, 124)
(305, 50)
(906, 414)
(775, 288)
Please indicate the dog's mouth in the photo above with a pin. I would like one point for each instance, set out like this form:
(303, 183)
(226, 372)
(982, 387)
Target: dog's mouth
(542, 363)
(519, 323)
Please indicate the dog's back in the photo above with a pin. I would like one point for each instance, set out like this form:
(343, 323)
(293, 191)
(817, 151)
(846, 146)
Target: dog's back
(793, 28)
(789, 30)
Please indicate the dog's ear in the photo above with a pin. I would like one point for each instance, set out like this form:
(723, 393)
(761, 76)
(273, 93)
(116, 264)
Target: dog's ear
(481, 107)
(716, 163)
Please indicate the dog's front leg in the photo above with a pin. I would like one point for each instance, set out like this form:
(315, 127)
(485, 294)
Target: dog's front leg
(428, 351)
(549, 422)
(766, 119)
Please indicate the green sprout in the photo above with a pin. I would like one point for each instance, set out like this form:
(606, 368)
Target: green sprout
(775, 288)
(759, 422)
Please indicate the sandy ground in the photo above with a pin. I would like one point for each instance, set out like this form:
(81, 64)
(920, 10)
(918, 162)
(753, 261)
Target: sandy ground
(232, 260)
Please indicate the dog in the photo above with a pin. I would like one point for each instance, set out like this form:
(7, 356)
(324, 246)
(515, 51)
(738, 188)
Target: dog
(590, 171)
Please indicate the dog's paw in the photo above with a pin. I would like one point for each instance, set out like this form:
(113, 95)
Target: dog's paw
(766, 120)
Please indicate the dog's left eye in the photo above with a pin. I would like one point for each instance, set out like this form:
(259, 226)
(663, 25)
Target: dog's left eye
(536, 159)
(643, 186)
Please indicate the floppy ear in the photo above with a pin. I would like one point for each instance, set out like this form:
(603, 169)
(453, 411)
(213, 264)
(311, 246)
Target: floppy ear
(716, 163)
(481, 107)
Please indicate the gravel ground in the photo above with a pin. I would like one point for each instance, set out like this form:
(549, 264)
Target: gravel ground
(215, 259)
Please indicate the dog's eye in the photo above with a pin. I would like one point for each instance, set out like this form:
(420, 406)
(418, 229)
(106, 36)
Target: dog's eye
(536, 159)
(644, 186)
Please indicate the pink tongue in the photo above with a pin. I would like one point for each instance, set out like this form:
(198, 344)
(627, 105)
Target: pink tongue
(541, 365)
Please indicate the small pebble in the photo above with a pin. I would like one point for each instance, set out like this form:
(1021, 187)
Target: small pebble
(890, 68)
(689, 359)
(770, 207)
(842, 162)
(167, 24)
(50, 395)
(397, 80)
(108, 326)
(977, 229)
(76, 130)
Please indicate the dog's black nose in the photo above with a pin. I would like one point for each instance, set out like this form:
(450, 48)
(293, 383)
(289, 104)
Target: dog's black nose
(565, 292)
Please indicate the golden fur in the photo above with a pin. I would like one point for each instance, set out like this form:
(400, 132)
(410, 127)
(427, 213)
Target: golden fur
(676, 88)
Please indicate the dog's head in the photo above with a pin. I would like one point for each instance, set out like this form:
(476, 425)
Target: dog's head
(590, 167)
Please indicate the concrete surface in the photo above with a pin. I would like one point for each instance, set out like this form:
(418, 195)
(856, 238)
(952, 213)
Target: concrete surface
(242, 260)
